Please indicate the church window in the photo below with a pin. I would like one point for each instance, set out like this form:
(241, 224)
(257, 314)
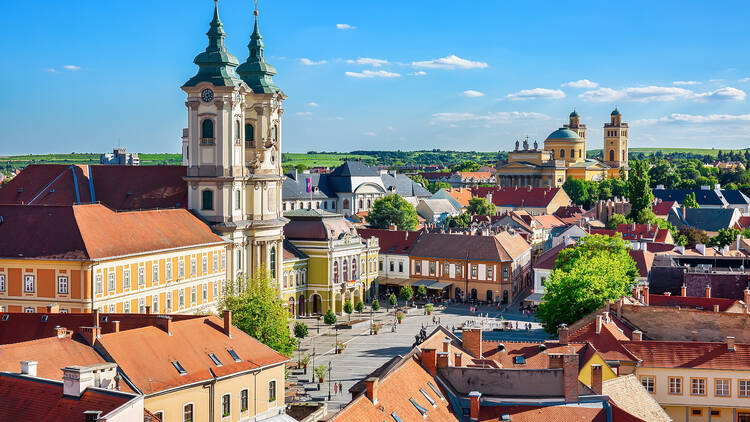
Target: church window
(249, 135)
(237, 199)
(360, 204)
(275, 133)
(207, 200)
(237, 132)
(623, 156)
(335, 271)
(346, 204)
(345, 269)
(354, 269)
(611, 155)
(572, 153)
(580, 153)
(562, 153)
(207, 131)
(369, 204)
(273, 262)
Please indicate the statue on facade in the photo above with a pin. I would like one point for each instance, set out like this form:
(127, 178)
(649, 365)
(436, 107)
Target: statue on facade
(516, 144)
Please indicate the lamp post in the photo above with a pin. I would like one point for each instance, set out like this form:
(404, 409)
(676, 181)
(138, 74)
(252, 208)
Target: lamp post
(312, 375)
(329, 380)
(371, 321)
(337, 339)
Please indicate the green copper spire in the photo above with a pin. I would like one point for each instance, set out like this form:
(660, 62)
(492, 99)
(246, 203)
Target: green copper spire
(256, 73)
(216, 64)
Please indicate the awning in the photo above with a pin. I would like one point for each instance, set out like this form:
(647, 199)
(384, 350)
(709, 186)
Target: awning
(281, 417)
(395, 281)
(439, 285)
(425, 283)
(534, 297)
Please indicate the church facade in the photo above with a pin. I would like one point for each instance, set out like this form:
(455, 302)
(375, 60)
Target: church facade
(564, 156)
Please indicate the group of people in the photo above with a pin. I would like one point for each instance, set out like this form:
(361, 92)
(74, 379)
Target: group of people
(338, 388)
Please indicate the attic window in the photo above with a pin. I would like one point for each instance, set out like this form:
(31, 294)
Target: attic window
(435, 389)
(179, 367)
(44, 318)
(215, 359)
(105, 318)
(234, 355)
(519, 360)
(5, 317)
(395, 417)
(427, 396)
(421, 409)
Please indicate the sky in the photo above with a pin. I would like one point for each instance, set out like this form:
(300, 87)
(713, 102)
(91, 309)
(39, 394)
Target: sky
(87, 76)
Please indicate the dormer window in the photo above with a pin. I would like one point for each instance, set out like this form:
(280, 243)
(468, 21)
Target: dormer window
(179, 367)
(421, 409)
(216, 360)
(234, 355)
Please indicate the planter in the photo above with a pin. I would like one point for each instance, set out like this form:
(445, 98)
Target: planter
(375, 332)
(429, 312)
(400, 321)
(339, 351)
(321, 381)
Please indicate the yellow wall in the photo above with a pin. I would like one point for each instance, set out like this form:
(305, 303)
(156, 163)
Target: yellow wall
(45, 273)
(585, 374)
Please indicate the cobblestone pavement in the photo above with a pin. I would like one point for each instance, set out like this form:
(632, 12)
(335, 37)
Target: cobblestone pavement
(365, 353)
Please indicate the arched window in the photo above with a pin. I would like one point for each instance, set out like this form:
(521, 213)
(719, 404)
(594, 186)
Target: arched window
(249, 135)
(360, 204)
(286, 279)
(346, 204)
(354, 268)
(304, 276)
(623, 156)
(580, 154)
(345, 269)
(562, 153)
(369, 204)
(335, 271)
(611, 155)
(237, 131)
(273, 262)
(207, 130)
(572, 153)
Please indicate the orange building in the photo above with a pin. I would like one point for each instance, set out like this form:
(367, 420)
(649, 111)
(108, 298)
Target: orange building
(94, 258)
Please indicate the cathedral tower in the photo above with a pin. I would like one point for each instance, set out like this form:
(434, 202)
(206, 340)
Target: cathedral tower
(616, 141)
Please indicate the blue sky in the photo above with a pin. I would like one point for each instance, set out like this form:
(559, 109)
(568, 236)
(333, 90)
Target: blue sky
(473, 75)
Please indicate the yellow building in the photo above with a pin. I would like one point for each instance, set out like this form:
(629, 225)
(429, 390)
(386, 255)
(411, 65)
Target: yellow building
(94, 258)
(564, 156)
(340, 265)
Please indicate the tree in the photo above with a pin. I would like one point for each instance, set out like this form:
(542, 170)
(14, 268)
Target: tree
(258, 311)
(462, 220)
(421, 291)
(406, 293)
(392, 299)
(375, 305)
(639, 192)
(480, 206)
(693, 236)
(359, 307)
(329, 318)
(348, 308)
(467, 166)
(615, 220)
(300, 331)
(725, 237)
(690, 201)
(585, 276)
(581, 192)
(392, 209)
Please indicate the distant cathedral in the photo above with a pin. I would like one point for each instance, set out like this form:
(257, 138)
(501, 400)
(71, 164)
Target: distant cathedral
(564, 155)
(232, 150)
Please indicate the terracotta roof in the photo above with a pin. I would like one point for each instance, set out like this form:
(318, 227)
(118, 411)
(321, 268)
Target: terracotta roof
(534, 356)
(476, 175)
(560, 413)
(629, 395)
(690, 354)
(146, 354)
(603, 232)
(118, 187)
(663, 207)
(82, 232)
(291, 251)
(569, 211)
(643, 261)
(501, 247)
(518, 197)
(643, 231)
(743, 222)
(547, 260)
(462, 195)
(392, 242)
(51, 355)
(394, 392)
(691, 302)
(316, 225)
(549, 221)
(608, 342)
(25, 398)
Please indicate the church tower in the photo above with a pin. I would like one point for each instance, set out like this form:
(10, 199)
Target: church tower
(234, 182)
(616, 141)
(575, 125)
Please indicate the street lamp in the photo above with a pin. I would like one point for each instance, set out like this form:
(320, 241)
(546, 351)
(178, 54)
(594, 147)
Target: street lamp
(371, 322)
(312, 375)
(329, 380)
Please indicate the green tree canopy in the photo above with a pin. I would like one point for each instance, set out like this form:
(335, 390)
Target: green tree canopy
(392, 299)
(421, 291)
(693, 236)
(615, 220)
(639, 192)
(480, 206)
(300, 330)
(258, 311)
(406, 293)
(392, 209)
(375, 305)
(725, 237)
(585, 276)
(348, 307)
(690, 201)
(467, 166)
(329, 318)
(462, 220)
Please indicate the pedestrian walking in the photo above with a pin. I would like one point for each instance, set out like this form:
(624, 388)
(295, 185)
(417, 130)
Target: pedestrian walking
(341, 388)
(335, 388)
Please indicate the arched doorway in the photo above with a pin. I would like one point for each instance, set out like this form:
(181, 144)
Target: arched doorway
(291, 306)
(505, 296)
(301, 306)
(489, 296)
(457, 293)
(338, 304)
(474, 294)
(316, 303)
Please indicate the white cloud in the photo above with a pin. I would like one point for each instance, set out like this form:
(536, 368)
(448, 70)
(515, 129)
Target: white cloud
(71, 67)
(697, 119)
(370, 134)
(583, 83)
(345, 26)
(418, 73)
(51, 70)
(368, 61)
(304, 113)
(372, 74)
(496, 117)
(745, 80)
(685, 83)
(312, 104)
(307, 62)
(450, 62)
(470, 93)
(536, 93)
(647, 94)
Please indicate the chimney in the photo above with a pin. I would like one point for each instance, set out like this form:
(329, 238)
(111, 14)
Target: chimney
(684, 217)
(91, 415)
(619, 308)
(61, 331)
(372, 389)
(645, 294)
(606, 318)
(708, 290)
(28, 367)
(446, 343)
(429, 360)
(701, 248)
(637, 335)
(53, 308)
(667, 293)
(472, 341)
(694, 335)
(609, 305)
(227, 323)
(457, 359)
(730, 343)
(165, 323)
(683, 291)
(570, 377)
(90, 334)
(443, 359)
(474, 397)
(96, 318)
(562, 334)
(596, 378)
(148, 309)
(598, 324)
(115, 326)
(76, 379)
(716, 308)
(392, 227)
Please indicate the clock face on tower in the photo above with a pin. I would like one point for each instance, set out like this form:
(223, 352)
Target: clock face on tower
(207, 95)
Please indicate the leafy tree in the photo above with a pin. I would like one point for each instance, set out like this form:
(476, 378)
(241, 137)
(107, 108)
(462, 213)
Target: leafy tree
(258, 311)
(359, 307)
(725, 237)
(392, 299)
(480, 206)
(375, 305)
(467, 166)
(406, 293)
(690, 201)
(664, 173)
(462, 220)
(581, 192)
(329, 318)
(436, 186)
(301, 167)
(585, 276)
(615, 220)
(639, 192)
(421, 291)
(348, 308)
(392, 209)
(693, 236)
(300, 331)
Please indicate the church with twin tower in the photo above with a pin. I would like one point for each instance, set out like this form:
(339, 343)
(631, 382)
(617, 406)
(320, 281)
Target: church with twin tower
(232, 150)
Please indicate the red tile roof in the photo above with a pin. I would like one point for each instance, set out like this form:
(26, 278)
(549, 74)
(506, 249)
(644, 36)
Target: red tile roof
(25, 398)
(569, 211)
(534, 356)
(519, 197)
(477, 176)
(462, 195)
(145, 354)
(691, 302)
(608, 342)
(500, 247)
(644, 260)
(118, 187)
(544, 413)
(662, 208)
(643, 231)
(392, 242)
(82, 232)
(549, 221)
(690, 354)
(291, 251)
(547, 260)
(743, 222)
(51, 354)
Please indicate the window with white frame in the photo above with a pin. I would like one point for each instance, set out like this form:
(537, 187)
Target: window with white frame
(648, 382)
(505, 272)
(193, 266)
(244, 400)
(154, 272)
(155, 304)
(193, 296)
(142, 305)
(29, 284)
(223, 260)
(204, 295)
(204, 264)
(3, 287)
(110, 282)
(126, 280)
(743, 388)
(697, 386)
(181, 268)
(168, 302)
(215, 262)
(98, 284)
(239, 259)
(722, 387)
(112, 308)
(401, 266)
(675, 385)
(490, 272)
(216, 289)
(62, 284)
(181, 299)
(141, 277)
(226, 409)
(28, 310)
(126, 306)
(474, 271)
(271, 391)
(187, 413)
